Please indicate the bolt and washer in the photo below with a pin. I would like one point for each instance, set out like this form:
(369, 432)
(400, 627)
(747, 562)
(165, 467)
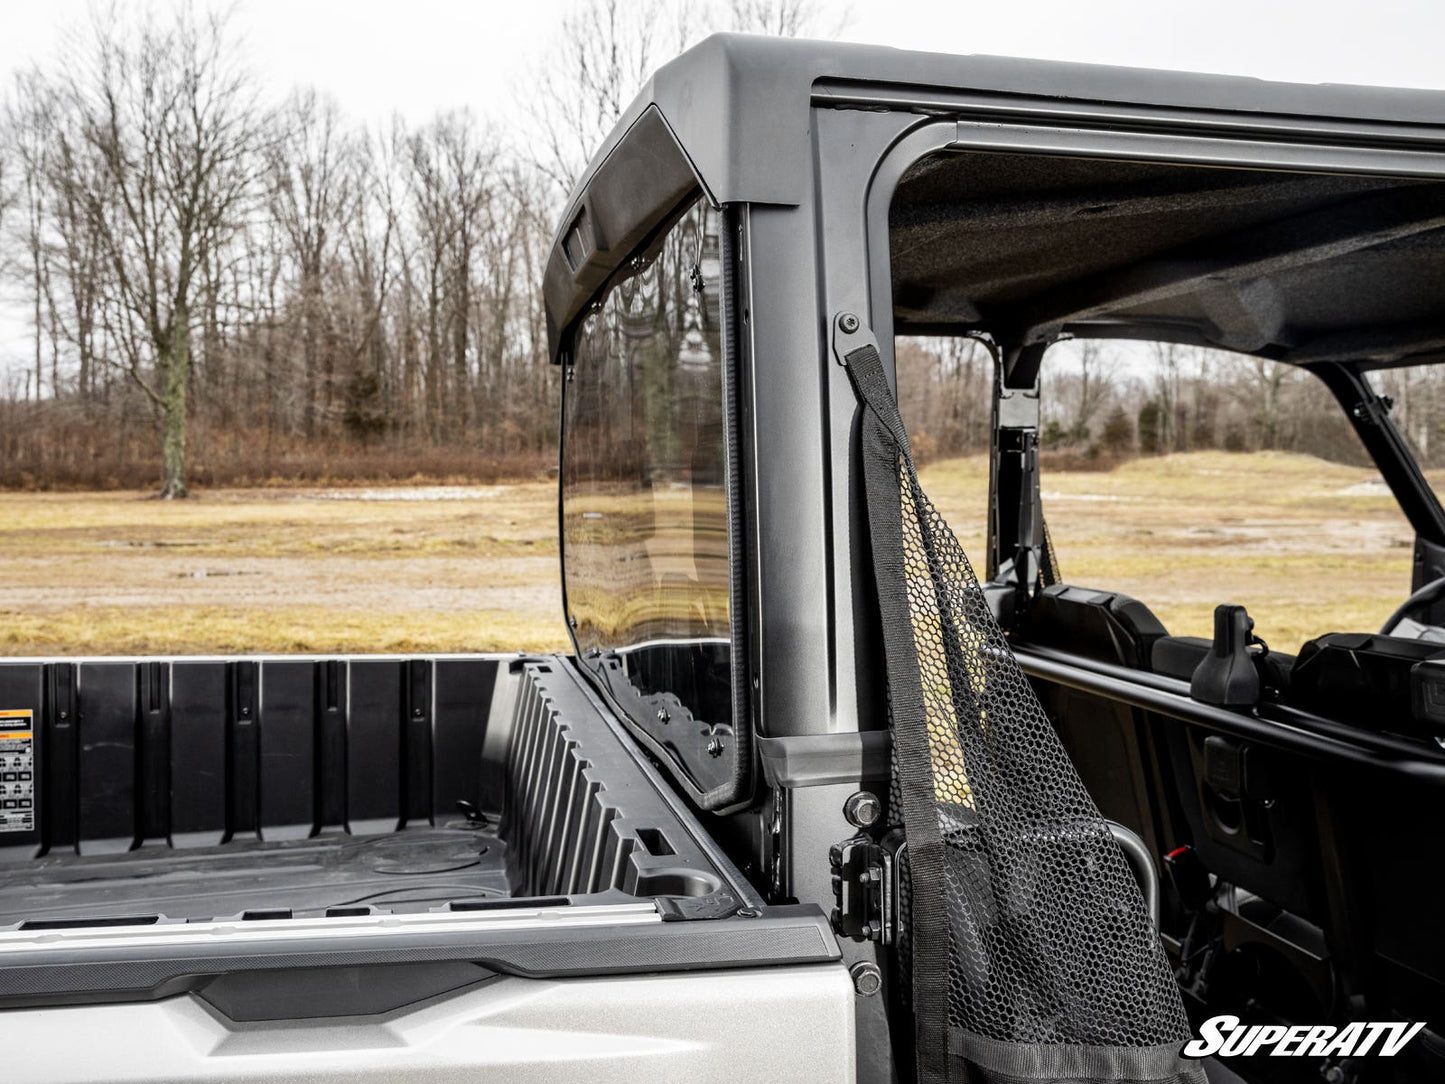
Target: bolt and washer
(862, 809)
(867, 979)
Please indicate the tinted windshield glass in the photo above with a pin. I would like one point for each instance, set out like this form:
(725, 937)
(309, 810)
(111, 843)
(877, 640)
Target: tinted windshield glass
(644, 508)
(1186, 477)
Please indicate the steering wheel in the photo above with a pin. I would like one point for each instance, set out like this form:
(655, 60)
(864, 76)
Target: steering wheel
(1431, 593)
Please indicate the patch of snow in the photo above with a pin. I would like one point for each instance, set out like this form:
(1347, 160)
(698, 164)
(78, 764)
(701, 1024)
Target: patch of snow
(1370, 487)
(406, 493)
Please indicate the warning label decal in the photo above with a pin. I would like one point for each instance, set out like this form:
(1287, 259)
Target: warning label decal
(17, 771)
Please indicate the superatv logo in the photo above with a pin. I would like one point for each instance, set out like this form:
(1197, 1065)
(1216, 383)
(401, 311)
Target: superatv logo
(1222, 1037)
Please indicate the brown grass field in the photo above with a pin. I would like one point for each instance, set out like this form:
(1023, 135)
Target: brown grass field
(1309, 546)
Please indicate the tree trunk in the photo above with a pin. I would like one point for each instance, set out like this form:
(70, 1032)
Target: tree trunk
(175, 374)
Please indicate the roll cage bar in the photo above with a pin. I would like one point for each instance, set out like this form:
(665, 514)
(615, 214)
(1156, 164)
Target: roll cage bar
(805, 144)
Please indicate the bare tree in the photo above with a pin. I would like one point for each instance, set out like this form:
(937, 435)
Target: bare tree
(369, 241)
(783, 18)
(7, 194)
(308, 185)
(1098, 370)
(607, 49)
(9, 168)
(30, 124)
(173, 128)
(1168, 393)
(1264, 397)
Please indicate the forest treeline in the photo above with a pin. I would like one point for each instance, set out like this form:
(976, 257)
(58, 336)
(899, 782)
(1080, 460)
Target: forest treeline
(222, 288)
(1103, 401)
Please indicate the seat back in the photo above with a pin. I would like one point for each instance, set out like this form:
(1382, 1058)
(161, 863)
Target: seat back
(1108, 741)
(1332, 863)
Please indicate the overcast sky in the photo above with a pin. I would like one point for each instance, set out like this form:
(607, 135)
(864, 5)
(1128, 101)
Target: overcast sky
(414, 56)
(377, 57)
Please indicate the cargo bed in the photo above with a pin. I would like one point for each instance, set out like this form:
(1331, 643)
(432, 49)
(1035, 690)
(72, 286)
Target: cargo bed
(368, 806)
(205, 789)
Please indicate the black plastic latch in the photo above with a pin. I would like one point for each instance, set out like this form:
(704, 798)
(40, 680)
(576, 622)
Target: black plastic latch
(863, 890)
(719, 904)
(1227, 676)
(1190, 878)
(1224, 766)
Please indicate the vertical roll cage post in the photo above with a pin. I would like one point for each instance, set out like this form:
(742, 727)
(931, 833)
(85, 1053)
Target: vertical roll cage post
(1016, 517)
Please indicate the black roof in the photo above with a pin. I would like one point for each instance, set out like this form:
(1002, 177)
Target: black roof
(732, 116)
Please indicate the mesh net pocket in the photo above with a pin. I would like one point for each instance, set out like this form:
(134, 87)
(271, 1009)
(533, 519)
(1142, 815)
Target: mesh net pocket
(1033, 955)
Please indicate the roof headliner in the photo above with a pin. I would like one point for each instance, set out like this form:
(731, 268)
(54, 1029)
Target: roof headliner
(1297, 267)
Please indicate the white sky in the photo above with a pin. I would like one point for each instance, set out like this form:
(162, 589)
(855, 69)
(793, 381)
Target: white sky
(418, 56)
(415, 56)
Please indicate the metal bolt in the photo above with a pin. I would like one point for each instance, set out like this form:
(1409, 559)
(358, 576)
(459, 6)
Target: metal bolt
(848, 322)
(748, 912)
(867, 979)
(863, 809)
(663, 717)
(715, 747)
(572, 621)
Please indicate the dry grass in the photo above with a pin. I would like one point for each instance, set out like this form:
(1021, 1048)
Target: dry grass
(346, 570)
(1309, 546)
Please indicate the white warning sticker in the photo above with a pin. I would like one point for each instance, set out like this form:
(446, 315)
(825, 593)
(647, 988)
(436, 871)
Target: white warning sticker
(17, 771)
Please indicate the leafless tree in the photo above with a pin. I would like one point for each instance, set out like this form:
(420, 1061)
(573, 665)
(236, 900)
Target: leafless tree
(308, 181)
(173, 129)
(606, 50)
(30, 126)
(784, 18)
(1098, 370)
(1264, 396)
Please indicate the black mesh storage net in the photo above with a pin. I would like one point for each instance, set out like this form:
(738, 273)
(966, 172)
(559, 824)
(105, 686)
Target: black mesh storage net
(1032, 954)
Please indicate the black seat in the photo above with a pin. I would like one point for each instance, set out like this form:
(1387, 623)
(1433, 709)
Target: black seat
(1108, 742)
(1326, 909)
(1248, 815)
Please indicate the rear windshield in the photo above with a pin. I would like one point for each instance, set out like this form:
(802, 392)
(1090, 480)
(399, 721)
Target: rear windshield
(644, 496)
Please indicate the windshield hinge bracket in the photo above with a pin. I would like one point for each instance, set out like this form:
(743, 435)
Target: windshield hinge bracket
(864, 872)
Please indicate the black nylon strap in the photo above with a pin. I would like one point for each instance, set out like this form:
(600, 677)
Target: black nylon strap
(885, 454)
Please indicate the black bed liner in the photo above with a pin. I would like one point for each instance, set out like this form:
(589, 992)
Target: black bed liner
(194, 790)
(511, 828)
(251, 878)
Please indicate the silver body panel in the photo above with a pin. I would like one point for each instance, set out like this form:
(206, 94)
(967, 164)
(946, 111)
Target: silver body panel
(774, 1024)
